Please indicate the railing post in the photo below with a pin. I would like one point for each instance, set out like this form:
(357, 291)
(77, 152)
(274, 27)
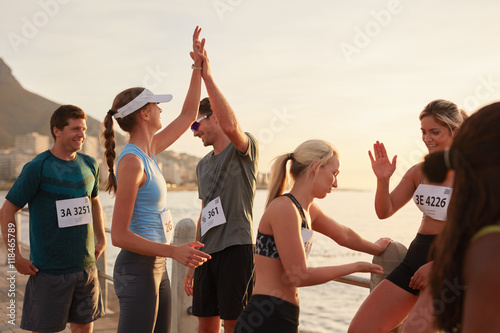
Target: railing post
(102, 268)
(182, 321)
(389, 259)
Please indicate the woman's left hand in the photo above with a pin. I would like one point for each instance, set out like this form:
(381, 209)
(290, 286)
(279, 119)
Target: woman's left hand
(382, 244)
(420, 279)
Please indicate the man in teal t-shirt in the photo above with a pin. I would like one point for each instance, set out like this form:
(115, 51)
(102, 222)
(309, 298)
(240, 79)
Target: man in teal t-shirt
(61, 189)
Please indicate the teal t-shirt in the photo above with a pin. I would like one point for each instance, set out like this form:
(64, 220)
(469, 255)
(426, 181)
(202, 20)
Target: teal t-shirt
(42, 182)
(230, 175)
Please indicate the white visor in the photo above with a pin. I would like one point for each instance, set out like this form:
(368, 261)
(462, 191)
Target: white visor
(144, 98)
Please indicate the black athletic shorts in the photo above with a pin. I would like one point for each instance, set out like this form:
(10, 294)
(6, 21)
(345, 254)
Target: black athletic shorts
(223, 284)
(268, 314)
(416, 257)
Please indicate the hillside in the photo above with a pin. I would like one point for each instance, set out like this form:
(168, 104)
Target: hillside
(23, 112)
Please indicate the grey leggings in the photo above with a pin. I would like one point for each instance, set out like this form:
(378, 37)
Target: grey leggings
(143, 289)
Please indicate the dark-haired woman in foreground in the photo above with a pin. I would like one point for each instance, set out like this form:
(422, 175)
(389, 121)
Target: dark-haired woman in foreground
(466, 272)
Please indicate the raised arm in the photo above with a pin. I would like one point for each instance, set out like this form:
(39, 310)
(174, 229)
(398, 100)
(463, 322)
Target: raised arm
(387, 203)
(222, 110)
(344, 235)
(179, 125)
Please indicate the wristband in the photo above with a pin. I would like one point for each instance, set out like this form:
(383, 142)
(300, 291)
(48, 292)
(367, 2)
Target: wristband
(197, 68)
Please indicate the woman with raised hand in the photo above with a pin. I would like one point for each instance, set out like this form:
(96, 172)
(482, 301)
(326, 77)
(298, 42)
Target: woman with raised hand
(403, 293)
(466, 271)
(285, 236)
(142, 225)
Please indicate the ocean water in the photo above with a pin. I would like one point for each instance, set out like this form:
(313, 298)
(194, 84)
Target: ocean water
(324, 308)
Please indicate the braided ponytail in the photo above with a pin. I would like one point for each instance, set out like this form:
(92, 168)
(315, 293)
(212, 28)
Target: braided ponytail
(126, 123)
(109, 151)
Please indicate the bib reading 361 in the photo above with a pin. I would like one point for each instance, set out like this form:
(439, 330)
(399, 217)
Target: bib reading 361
(212, 215)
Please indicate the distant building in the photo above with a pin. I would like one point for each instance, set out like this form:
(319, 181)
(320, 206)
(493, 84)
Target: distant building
(26, 147)
(172, 172)
(177, 168)
(12, 163)
(5, 164)
(33, 143)
(263, 179)
(18, 160)
(91, 147)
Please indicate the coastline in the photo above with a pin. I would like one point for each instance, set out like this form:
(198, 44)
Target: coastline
(171, 187)
(193, 187)
(187, 187)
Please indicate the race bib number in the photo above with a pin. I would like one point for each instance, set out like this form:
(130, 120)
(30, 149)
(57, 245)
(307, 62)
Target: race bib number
(212, 215)
(73, 212)
(433, 200)
(307, 239)
(168, 225)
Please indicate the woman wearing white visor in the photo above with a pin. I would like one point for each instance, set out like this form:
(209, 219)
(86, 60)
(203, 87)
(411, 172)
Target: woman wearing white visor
(142, 225)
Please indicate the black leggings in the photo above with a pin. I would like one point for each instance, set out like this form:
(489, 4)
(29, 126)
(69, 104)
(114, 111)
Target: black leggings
(416, 257)
(267, 314)
(143, 289)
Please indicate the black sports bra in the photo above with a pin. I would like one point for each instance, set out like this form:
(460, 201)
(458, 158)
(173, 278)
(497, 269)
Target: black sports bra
(265, 244)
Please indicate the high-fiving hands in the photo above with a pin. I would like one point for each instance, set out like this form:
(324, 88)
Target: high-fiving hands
(381, 165)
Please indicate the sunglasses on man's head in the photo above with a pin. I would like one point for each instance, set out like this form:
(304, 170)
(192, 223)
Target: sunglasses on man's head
(196, 124)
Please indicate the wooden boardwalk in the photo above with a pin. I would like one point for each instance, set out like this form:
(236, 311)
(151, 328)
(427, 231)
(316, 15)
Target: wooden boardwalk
(12, 286)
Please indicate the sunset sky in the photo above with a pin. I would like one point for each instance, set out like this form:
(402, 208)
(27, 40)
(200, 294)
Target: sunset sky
(349, 72)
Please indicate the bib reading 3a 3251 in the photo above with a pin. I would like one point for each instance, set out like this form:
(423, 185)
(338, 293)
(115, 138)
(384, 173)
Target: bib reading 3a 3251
(212, 215)
(73, 212)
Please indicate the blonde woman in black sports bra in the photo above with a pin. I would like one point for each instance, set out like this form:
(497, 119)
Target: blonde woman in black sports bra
(403, 293)
(285, 236)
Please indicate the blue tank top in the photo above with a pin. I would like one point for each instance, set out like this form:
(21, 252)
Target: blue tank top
(265, 244)
(151, 198)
